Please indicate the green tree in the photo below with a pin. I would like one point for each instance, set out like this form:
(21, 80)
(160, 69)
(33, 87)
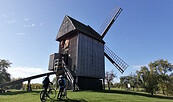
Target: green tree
(133, 81)
(163, 67)
(4, 75)
(109, 77)
(148, 78)
(16, 86)
(130, 79)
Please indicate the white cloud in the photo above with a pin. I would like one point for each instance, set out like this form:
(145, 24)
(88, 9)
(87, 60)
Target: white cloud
(29, 25)
(138, 66)
(25, 19)
(7, 19)
(24, 72)
(32, 25)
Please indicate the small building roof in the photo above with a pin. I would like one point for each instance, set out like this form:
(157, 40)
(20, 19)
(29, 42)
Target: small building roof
(78, 26)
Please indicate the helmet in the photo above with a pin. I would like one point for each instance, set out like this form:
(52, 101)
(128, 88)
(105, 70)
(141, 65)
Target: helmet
(60, 76)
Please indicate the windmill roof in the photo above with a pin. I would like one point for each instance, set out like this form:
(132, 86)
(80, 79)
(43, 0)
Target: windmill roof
(86, 29)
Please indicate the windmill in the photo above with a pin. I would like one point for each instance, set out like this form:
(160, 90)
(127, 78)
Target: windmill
(81, 53)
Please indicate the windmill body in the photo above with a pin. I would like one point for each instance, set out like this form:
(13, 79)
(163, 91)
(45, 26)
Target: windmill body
(84, 48)
(83, 51)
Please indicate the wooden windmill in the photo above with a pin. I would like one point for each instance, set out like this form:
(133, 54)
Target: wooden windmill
(83, 50)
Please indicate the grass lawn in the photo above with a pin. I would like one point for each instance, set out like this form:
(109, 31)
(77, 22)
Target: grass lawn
(86, 96)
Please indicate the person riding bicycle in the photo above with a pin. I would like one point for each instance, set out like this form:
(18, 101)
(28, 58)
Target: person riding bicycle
(62, 85)
(46, 83)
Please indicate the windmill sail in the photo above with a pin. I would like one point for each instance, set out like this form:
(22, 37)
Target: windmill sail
(109, 21)
(115, 60)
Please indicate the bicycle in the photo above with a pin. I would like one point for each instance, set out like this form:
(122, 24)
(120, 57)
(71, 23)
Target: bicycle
(51, 94)
(63, 94)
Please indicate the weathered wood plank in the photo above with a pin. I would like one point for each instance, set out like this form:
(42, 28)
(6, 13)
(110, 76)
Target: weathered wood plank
(90, 57)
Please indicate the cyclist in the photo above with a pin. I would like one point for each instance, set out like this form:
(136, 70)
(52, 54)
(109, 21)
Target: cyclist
(46, 82)
(62, 86)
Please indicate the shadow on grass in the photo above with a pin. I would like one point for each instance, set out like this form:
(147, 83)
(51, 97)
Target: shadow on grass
(134, 93)
(18, 92)
(70, 100)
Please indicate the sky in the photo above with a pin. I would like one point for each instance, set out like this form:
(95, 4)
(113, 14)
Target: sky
(142, 33)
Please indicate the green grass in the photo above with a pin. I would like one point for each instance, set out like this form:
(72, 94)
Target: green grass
(86, 96)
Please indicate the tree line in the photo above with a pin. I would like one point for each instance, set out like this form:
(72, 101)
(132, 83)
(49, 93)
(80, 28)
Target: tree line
(6, 77)
(155, 78)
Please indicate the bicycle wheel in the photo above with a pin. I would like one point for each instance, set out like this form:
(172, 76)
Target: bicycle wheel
(63, 94)
(51, 93)
(43, 98)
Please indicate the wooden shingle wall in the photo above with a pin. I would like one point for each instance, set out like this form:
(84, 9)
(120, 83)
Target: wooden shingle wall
(65, 27)
(90, 62)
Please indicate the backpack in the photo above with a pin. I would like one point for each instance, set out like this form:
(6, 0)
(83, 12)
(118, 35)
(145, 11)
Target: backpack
(61, 83)
(45, 81)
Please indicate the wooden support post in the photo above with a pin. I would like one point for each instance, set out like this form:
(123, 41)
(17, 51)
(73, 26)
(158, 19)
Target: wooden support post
(103, 84)
(74, 83)
(29, 86)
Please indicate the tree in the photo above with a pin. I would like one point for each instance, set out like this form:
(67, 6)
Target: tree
(163, 67)
(157, 77)
(130, 79)
(148, 78)
(4, 75)
(16, 86)
(133, 81)
(126, 82)
(109, 77)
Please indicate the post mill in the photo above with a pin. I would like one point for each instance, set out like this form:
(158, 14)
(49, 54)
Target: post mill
(81, 53)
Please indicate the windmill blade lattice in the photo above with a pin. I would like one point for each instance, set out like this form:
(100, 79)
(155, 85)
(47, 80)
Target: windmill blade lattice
(115, 60)
(109, 21)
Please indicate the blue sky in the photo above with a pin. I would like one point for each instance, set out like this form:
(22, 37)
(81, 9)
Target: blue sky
(142, 33)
